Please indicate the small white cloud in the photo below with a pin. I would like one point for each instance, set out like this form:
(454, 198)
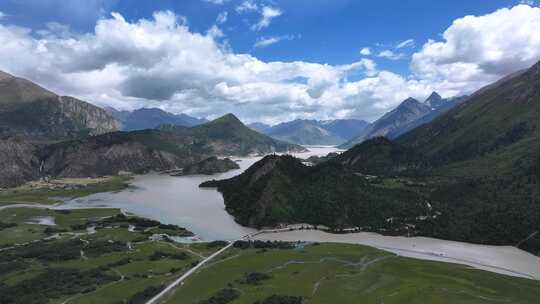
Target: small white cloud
(365, 51)
(247, 6)
(2, 15)
(266, 41)
(267, 14)
(215, 32)
(406, 43)
(222, 17)
(388, 54)
(217, 2)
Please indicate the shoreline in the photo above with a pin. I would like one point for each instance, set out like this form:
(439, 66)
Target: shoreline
(507, 260)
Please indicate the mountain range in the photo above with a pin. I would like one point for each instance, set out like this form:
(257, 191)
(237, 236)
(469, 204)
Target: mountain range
(406, 116)
(30, 111)
(471, 174)
(151, 118)
(140, 151)
(313, 132)
(43, 134)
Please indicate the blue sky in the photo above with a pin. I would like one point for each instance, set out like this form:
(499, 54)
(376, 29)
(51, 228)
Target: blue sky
(325, 31)
(331, 33)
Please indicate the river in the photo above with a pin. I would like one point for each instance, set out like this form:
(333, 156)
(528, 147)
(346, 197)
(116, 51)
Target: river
(179, 200)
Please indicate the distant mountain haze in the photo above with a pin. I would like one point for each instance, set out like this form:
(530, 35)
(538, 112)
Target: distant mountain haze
(344, 128)
(151, 118)
(259, 126)
(313, 132)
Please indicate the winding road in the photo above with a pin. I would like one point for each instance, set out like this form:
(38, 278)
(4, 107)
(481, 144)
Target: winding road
(171, 286)
(178, 281)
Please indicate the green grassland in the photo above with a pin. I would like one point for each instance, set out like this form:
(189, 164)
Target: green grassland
(338, 273)
(110, 265)
(69, 263)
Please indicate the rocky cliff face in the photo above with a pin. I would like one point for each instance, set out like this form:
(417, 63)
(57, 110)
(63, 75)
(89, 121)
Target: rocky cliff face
(169, 148)
(57, 118)
(111, 153)
(90, 117)
(19, 162)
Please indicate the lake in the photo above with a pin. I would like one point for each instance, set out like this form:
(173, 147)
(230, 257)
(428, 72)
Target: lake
(180, 201)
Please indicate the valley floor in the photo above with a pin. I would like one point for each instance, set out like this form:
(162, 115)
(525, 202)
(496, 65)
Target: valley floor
(499, 259)
(102, 255)
(344, 273)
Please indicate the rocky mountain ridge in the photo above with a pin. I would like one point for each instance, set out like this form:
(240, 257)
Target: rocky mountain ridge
(405, 117)
(170, 147)
(30, 111)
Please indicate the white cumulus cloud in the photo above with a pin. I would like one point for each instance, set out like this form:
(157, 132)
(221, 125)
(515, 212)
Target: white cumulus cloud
(160, 61)
(476, 50)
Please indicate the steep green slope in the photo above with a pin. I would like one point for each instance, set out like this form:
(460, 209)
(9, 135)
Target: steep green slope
(209, 166)
(496, 131)
(280, 189)
(380, 156)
